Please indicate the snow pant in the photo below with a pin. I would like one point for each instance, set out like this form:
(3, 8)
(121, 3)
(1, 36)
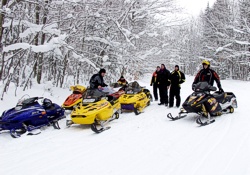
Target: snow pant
(155, 91)
(174, 92)
(163, 94)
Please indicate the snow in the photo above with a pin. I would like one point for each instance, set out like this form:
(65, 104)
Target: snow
(242, 42)
(138, 145)
(53, 44)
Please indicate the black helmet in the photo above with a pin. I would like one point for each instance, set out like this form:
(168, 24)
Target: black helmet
(47, 103)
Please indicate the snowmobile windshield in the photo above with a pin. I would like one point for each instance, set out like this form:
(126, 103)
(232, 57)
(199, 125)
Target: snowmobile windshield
(133, 88)
(204, 86)
(26, 102)
(93, 95)
(77, 92)
(29, 101)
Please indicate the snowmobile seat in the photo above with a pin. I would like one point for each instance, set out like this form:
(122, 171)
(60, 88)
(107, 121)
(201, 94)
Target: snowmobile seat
(219, 96)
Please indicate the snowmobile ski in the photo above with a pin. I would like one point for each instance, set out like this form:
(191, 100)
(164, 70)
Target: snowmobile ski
(136, 111)
(207, 122)
(175, 118)
(94, 128)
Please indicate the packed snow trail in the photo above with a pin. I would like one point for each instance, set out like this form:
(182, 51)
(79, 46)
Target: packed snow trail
(146, 144)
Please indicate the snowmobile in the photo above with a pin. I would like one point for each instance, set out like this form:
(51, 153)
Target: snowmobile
(96, 108)
(29, 115)
(206, 105)
(136, 98)
(74, 98)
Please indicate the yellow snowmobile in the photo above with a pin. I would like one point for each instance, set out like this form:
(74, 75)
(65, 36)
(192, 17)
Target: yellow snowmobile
(136, 98)
(96, 108)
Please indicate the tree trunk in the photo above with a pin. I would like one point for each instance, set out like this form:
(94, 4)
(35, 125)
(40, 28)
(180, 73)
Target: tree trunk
(36, 40)
(41, 55)
(4, 2)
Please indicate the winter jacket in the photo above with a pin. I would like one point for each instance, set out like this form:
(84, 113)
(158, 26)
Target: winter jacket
(97, 80)
(177, 78)
(154, 78)
(122, 82)
(163, 78)
(209, 76)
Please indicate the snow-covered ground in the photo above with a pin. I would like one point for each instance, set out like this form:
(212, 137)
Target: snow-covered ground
(135, 145)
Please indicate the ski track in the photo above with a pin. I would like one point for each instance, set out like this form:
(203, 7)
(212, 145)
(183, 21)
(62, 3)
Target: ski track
(145, 144)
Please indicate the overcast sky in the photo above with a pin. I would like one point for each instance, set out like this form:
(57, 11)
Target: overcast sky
(195, 6)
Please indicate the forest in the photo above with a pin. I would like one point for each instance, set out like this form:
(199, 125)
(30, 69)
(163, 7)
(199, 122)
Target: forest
(66, 41)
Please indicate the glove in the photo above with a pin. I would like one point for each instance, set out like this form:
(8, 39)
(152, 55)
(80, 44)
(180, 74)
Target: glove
(193, 86)
(221, 90)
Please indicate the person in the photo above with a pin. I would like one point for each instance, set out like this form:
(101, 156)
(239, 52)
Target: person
(122, 81)
(96, 81)
(208, 75)
(177, 78)
(163, 82)
(154, 82)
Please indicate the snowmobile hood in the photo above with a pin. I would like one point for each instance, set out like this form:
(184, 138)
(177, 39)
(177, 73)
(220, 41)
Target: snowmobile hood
(13, 112)
(72, 100)
(91, 108)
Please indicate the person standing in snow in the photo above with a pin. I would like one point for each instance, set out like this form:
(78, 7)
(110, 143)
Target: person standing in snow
(155, 83)
(208, 75)
(177, 78)
(96, 81)
(164, 82)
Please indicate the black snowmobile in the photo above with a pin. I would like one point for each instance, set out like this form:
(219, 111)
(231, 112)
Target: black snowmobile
(206, 105)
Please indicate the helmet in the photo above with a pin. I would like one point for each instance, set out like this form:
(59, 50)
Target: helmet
(206, 62)
(47, 103)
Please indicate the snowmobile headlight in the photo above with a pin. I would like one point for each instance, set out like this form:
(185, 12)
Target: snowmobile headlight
(19, 107)
(199, 94)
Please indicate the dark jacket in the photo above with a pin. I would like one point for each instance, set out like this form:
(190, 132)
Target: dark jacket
(177, 78)
(154, 78)
(97, 80)
(122, 82)
(207, 75)
(163, 78)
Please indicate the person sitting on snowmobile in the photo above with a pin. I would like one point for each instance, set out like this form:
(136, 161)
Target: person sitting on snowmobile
(208, 75)
(96, 81)
(122, 81)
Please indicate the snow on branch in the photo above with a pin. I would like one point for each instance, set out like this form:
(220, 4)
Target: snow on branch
(54, 43)
(102, 40)
(220, 49)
